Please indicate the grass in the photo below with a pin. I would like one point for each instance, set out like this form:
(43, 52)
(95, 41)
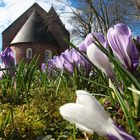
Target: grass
(30, 101)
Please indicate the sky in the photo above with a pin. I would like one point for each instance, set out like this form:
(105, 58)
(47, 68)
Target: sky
(10, 10)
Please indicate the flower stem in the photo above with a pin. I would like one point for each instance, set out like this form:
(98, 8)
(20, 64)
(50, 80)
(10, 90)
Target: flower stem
(74, 132)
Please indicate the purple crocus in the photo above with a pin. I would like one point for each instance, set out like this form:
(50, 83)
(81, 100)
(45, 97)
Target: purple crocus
(43, 67)
(96, 56)
(71, 59)
(69, 67)
(75, 55)
(120, 39)
(91, 38)
(82, 46)
(58, 62)
(7, 57)
(67, 56)
(86, 64)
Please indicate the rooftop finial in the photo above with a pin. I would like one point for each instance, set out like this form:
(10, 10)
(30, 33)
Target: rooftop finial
(52, 10)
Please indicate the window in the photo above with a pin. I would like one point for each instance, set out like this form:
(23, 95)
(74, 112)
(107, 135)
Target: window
(29, 53)
(48, 55)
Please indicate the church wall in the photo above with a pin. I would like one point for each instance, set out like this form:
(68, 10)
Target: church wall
(37, 48)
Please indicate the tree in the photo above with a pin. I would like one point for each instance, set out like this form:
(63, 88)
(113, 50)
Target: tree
(100, 15)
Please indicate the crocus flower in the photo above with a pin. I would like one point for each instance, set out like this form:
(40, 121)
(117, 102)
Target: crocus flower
(82, 46)
(89, 116)
(75, 56)
(43, 67)
(67, 56)
(91, 38)
(7, 57)
(58, 61)
(69, 67)
(86, 64)
(120, 39)
(100, 60)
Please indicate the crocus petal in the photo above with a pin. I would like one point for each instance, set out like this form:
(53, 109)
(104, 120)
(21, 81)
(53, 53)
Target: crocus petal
(69, 67)
(99, 59)
(91, 39)
(7, 57)
(120, 40)
(81, 127)
(86, 64)
(89, 115)
(1, 75)
(43, 67)
(122, 133)
(75, 56)
(71, 113)
(84, 98)
(67, 56)
(58, 62)
(82, 46)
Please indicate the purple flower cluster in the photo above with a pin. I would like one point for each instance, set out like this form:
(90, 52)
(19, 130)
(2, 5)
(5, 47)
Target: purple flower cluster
(123, 47)
(119, 38)
(95, 55)
(68, 60)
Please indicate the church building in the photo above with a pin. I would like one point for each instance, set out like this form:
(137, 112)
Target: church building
(36, 32)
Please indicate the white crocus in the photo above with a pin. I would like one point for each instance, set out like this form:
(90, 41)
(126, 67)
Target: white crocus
(100, 60)
(88, 115)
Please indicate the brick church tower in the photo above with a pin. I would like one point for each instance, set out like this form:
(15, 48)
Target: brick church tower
(36, 32)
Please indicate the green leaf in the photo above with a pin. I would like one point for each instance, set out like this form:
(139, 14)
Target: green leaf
(128, 116)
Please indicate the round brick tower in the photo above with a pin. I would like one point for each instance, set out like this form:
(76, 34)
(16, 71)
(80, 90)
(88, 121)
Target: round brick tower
(33, 39)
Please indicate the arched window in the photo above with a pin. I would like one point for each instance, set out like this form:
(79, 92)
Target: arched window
(29, 53)
(48, 55)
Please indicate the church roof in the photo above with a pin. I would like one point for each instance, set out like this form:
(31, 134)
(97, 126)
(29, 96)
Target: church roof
(35, 25)
(52, 11)
(34, 30)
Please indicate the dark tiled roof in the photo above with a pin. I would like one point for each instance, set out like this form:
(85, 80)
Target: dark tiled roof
(34, 30)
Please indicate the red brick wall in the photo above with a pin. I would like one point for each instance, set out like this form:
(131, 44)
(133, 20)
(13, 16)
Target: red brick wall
(37, 48)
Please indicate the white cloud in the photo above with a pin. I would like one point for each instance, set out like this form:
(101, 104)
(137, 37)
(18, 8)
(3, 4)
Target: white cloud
(14, 8)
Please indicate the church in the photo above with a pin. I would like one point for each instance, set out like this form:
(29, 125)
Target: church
(36, 32)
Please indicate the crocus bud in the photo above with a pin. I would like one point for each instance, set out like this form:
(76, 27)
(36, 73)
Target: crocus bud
(120, 39)
(67, 56)
(69, 67)
(43, 67)
(100, 60)
(7, 57)
(88, 115)
(58, 62)
(92, 37)
(82, 47)
(75, 56)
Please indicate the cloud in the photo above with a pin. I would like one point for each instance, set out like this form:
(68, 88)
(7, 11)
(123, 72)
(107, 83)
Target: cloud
(10, 10)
